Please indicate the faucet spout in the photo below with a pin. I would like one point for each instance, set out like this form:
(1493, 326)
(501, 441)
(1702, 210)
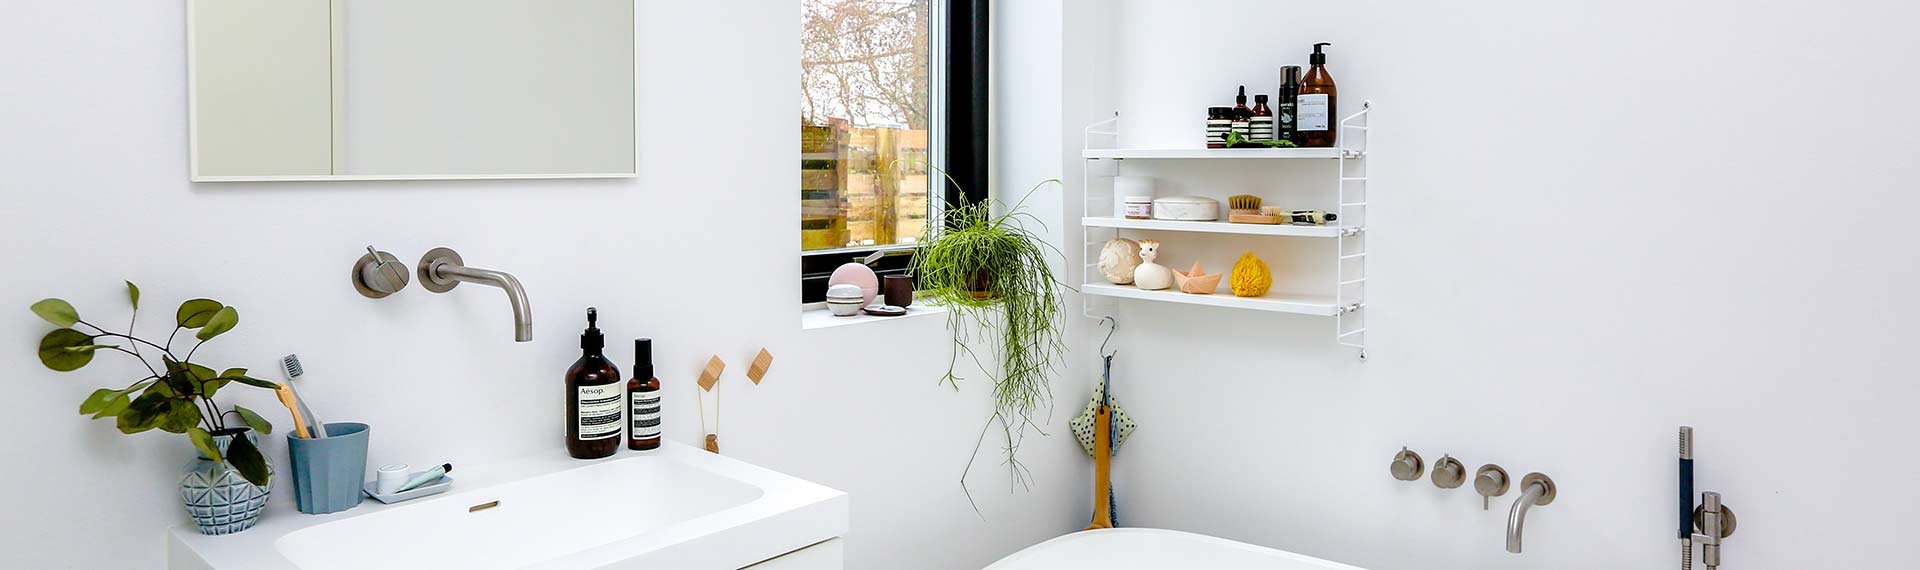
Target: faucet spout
(1536, 491)
(442, 269)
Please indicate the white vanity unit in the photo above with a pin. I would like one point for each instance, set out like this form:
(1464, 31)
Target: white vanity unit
(679, 507)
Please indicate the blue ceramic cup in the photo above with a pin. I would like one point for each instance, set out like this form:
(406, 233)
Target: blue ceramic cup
(328, 472)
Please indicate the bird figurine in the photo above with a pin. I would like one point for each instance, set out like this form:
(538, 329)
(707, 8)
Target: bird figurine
(1149, 275)
(1118, 259)
(1197, 281)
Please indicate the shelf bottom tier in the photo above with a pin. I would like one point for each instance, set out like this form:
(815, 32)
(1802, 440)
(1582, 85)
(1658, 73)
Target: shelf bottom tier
(1299, 304)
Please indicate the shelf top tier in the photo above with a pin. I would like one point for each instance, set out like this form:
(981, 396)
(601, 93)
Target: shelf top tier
(1214, 227)
(1316, 305)
(1215, 153)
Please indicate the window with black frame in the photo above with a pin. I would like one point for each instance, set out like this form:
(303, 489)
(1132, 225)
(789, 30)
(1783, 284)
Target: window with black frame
(893, 120)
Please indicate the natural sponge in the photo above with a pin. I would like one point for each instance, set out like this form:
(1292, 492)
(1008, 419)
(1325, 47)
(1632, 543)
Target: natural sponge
(1250, 276)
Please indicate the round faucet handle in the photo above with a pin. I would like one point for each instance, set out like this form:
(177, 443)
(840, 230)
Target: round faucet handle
(1448, 473)
(1407, 465)
(1490, 481)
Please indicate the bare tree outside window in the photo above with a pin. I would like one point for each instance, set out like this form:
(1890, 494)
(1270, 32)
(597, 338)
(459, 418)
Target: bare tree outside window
(865, 118)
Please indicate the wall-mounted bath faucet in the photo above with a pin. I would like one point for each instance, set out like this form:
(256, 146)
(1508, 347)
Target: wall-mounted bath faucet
(1536, 490)
(441, 270)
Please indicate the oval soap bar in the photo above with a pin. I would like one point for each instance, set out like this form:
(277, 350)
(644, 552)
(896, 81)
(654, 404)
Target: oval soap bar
(1250, 276)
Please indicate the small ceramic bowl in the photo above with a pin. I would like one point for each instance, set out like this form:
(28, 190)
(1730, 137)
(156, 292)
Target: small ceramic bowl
(845, 308)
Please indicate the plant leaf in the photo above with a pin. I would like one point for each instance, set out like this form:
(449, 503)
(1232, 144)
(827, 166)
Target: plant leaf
(201, 373)
(133, 294)
(119, 404)
(247, 460)
(54, 353)
(203, 441)
(257, 383)
(222, 321)
(144, 413)
(181, 415)
(57, 311)
(232, 373)
(97, 401)
(254, 420)
(195, 313)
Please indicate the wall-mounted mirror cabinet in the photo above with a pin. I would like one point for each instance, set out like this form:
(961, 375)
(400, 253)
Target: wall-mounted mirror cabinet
(410, 89)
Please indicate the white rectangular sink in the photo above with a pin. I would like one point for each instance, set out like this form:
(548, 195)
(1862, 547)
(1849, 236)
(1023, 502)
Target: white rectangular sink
(677, 508)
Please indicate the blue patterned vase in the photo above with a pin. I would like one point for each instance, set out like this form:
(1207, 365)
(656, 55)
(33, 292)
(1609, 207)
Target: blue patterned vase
(218, 498)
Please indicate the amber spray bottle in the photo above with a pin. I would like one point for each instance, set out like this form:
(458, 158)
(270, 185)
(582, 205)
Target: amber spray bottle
(643, 395)
(593, 398)
(1318, 104)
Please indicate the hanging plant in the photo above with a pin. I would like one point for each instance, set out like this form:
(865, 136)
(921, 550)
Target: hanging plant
(991, 274)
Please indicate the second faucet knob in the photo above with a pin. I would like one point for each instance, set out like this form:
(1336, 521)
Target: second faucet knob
(1448, 473)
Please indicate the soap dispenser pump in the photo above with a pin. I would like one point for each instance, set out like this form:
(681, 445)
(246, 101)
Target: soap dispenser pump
(594, 397)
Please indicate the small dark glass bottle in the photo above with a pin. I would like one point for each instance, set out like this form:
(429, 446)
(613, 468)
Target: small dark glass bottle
(1262, 119)
(593, 398)
(643, 397)
(1242, 116)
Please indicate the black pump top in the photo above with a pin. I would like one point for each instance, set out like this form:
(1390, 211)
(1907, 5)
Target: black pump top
(1292, 80)
(642, 358)
(1318, 58)
(592, 340)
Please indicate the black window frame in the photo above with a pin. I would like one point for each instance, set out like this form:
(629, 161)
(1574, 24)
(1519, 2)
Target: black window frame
(963, 140)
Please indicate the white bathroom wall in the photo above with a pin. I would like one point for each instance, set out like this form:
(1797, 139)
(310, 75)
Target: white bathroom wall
(1593, 222)
(698, 252)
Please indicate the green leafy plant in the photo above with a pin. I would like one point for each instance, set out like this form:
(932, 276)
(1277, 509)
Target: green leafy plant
(990, 272)
(177, 396)
(1235, 140)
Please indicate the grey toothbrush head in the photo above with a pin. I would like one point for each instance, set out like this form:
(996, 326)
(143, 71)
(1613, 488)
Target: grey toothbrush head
(291, 365)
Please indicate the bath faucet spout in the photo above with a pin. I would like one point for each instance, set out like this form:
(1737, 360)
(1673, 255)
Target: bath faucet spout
(442, 269)
(1536, 491)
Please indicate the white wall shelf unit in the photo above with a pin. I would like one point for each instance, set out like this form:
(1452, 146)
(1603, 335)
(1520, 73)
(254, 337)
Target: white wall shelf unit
(1345, 305)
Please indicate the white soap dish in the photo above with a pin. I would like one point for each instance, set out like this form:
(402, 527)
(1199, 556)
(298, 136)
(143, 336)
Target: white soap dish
(434, 488)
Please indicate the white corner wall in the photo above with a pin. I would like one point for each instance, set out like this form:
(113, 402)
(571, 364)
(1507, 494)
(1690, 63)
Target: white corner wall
(1593, 222)
(93, 176)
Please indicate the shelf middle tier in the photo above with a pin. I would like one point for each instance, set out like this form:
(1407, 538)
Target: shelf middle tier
(1317, 305)
(1214, 227)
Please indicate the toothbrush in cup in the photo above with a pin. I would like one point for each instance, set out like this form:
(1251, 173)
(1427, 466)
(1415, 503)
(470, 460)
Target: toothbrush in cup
(290, 366)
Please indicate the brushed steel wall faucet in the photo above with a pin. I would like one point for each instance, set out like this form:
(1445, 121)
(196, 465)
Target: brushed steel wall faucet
(441, 270)
(1536, 490)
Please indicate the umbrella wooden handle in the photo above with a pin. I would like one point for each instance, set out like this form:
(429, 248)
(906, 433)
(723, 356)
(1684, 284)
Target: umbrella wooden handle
(1102, 469)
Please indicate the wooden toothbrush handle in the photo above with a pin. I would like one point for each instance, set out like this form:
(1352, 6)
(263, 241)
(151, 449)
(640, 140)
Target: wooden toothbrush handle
(293, 408)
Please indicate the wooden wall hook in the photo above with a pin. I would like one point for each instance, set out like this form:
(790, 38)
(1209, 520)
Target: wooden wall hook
(711, 375)
(758, 369)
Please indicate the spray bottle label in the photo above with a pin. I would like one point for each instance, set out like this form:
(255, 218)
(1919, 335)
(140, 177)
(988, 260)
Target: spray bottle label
(646, 415)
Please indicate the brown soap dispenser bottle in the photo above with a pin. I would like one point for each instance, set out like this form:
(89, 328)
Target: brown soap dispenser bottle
(594, 398)
(643, 394)
(1317, 103)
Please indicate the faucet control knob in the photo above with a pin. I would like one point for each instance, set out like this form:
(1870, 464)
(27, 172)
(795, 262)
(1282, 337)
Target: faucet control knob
(1448, 473)
(1491, 481)
(1407, 465)
(379, 274)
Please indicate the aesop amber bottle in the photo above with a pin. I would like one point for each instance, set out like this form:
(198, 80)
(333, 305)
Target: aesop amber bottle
(643, 395)
(1317, 104)
(594, 398)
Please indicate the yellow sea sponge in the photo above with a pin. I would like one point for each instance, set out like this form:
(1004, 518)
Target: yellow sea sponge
(1250, 276)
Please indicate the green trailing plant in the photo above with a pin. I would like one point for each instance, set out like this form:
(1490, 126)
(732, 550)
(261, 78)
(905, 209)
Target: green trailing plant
(176, 396)
(1235, 140)
(990, 272)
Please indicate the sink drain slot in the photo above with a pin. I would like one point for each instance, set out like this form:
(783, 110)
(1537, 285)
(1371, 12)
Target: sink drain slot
(483, 506)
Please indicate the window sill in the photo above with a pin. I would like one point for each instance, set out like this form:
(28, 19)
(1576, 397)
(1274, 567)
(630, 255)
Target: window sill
(815, 316)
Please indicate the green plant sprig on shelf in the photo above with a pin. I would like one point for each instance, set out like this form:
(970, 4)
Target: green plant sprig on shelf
(991, 274)
(1234, 140)
(177, 396)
